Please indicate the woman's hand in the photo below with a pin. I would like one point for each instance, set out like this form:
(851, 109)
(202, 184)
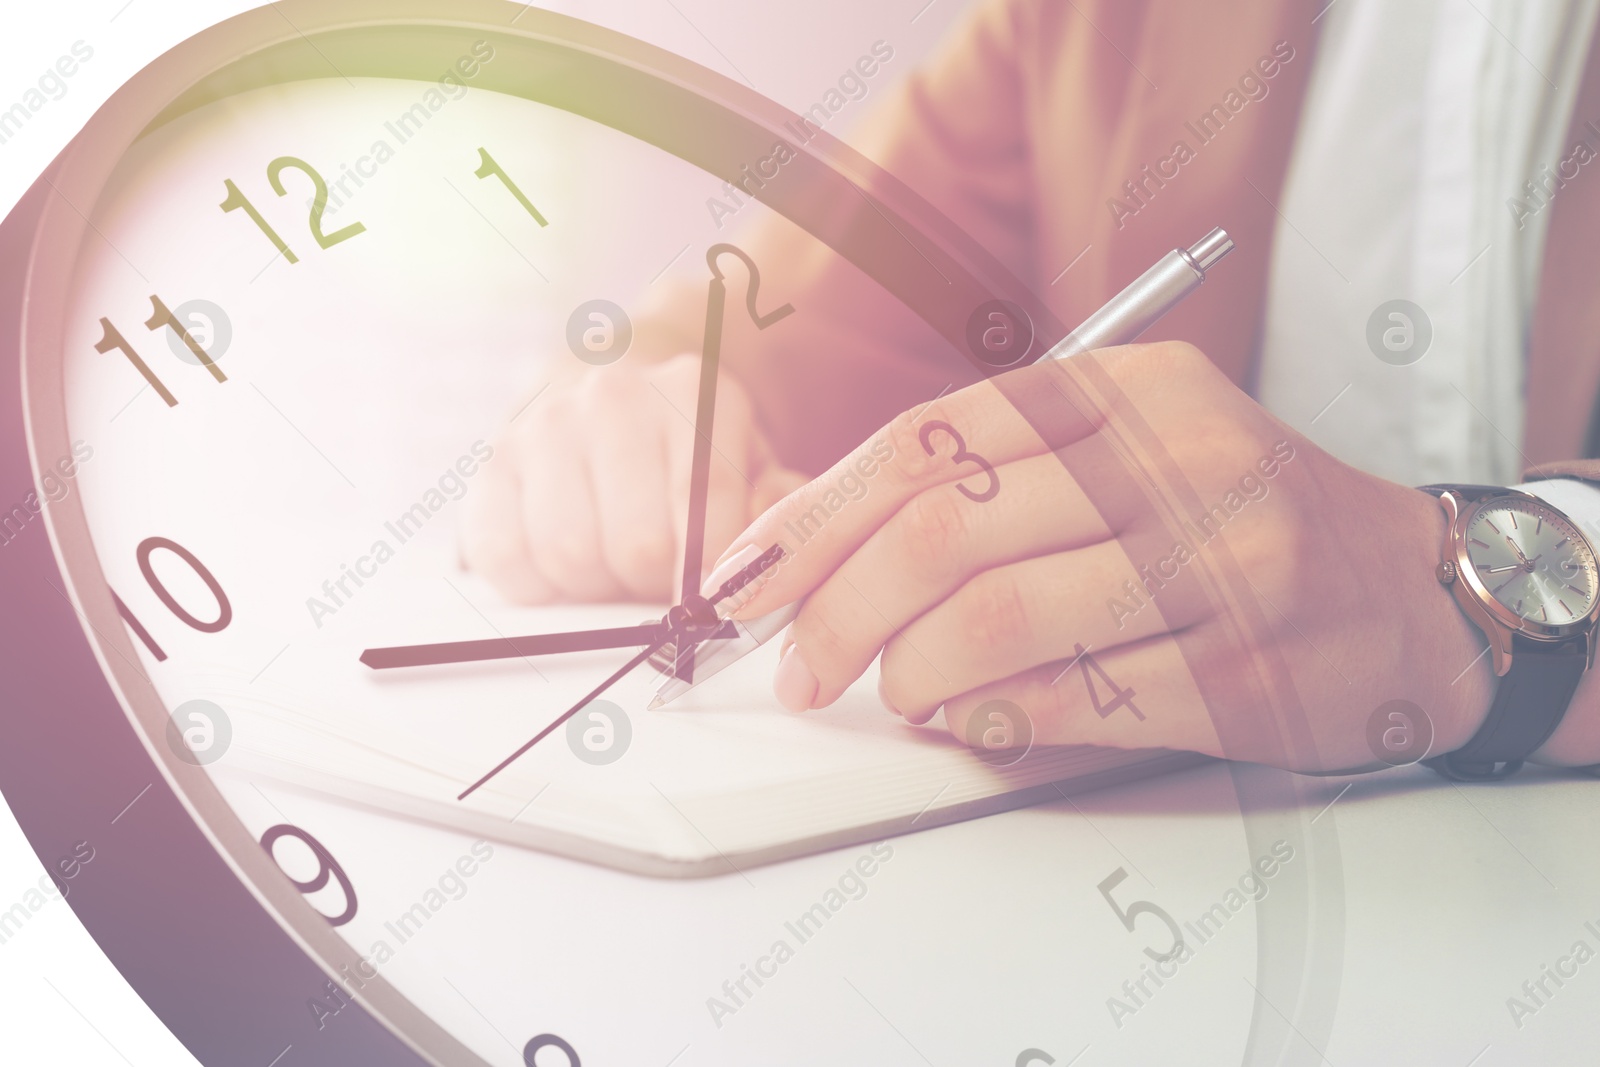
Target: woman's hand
(587, 496)
(1263, 616)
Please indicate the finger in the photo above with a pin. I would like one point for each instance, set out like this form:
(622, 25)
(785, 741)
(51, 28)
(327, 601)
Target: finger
(558, 509)
(630, 483)
(1011, 618)
(736, 468)
(928, 550)
(494, 541)
(774, 481)
(772, 485)
(1137, 695)
(956, 438)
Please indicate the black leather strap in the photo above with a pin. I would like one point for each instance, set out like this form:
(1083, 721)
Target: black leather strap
(1467, 492)
(1528, 706)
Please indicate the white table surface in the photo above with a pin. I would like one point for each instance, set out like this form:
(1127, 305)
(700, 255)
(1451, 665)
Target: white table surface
(978, 941)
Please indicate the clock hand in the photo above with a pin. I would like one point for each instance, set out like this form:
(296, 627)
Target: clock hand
(733, 636)
(694, 537)
(746, 636)
(705, 417)
(513, 647)
(689, 623)
(569, 713)
(749, 635)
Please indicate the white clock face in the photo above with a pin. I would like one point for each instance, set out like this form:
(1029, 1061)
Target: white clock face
(277, 414)
(1532, 561)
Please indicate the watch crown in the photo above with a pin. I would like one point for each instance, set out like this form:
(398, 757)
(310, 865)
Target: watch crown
(1445, 572)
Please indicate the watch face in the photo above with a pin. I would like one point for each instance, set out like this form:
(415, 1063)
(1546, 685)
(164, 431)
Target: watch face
(1533, 561)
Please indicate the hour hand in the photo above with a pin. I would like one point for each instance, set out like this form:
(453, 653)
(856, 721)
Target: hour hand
(514, 647)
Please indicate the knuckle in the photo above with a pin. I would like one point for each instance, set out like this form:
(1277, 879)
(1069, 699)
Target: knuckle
(679, 375)
(598, 390)
(643, 563)
(1159, 365)
(565, 555)
(996, 613)
(1271, 555)
(932, 534)
(1182, 354)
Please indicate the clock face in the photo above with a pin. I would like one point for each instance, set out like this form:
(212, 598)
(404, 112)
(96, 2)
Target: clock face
(1533, 562)
(302, 312)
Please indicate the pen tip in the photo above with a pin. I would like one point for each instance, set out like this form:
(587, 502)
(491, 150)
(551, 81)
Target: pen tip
(655, 703)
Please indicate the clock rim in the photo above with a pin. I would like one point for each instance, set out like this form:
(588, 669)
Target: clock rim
(78, 175)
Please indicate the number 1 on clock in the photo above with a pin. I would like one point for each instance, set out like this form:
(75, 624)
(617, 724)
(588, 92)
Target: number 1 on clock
(489, 166)
(113, 339)
(236, 199)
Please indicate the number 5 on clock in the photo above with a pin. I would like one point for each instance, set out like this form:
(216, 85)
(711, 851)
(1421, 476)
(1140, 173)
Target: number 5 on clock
(1138, 908)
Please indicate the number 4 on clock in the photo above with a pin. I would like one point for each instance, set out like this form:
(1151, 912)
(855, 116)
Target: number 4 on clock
(1119, 697)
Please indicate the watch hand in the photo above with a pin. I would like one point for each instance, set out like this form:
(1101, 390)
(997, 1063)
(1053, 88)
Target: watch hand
(569, 713)
(1520, 557)
(1502, 570)
(511, 647)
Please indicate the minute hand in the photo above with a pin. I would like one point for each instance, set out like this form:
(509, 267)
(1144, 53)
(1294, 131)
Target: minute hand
(705, 414)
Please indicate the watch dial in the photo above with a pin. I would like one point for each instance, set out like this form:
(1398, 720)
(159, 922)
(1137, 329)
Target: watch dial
(1533, 561)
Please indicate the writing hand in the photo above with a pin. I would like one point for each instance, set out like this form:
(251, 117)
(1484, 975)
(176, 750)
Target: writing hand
(1289, 559)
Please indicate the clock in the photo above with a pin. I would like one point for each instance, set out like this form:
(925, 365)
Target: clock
(254, 316)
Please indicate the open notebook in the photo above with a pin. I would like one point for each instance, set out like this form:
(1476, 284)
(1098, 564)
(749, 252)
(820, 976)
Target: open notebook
(723, 778)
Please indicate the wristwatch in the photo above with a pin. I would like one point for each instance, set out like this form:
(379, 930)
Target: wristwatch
(1526, 576)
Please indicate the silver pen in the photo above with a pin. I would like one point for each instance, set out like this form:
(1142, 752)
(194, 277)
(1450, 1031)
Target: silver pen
(1121, 321)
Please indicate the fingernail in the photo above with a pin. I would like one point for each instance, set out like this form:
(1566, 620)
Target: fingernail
(794, 685)
(730, 565)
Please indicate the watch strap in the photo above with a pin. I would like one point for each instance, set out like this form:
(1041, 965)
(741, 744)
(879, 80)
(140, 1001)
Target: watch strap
(1529, 704)
(1468, 492)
